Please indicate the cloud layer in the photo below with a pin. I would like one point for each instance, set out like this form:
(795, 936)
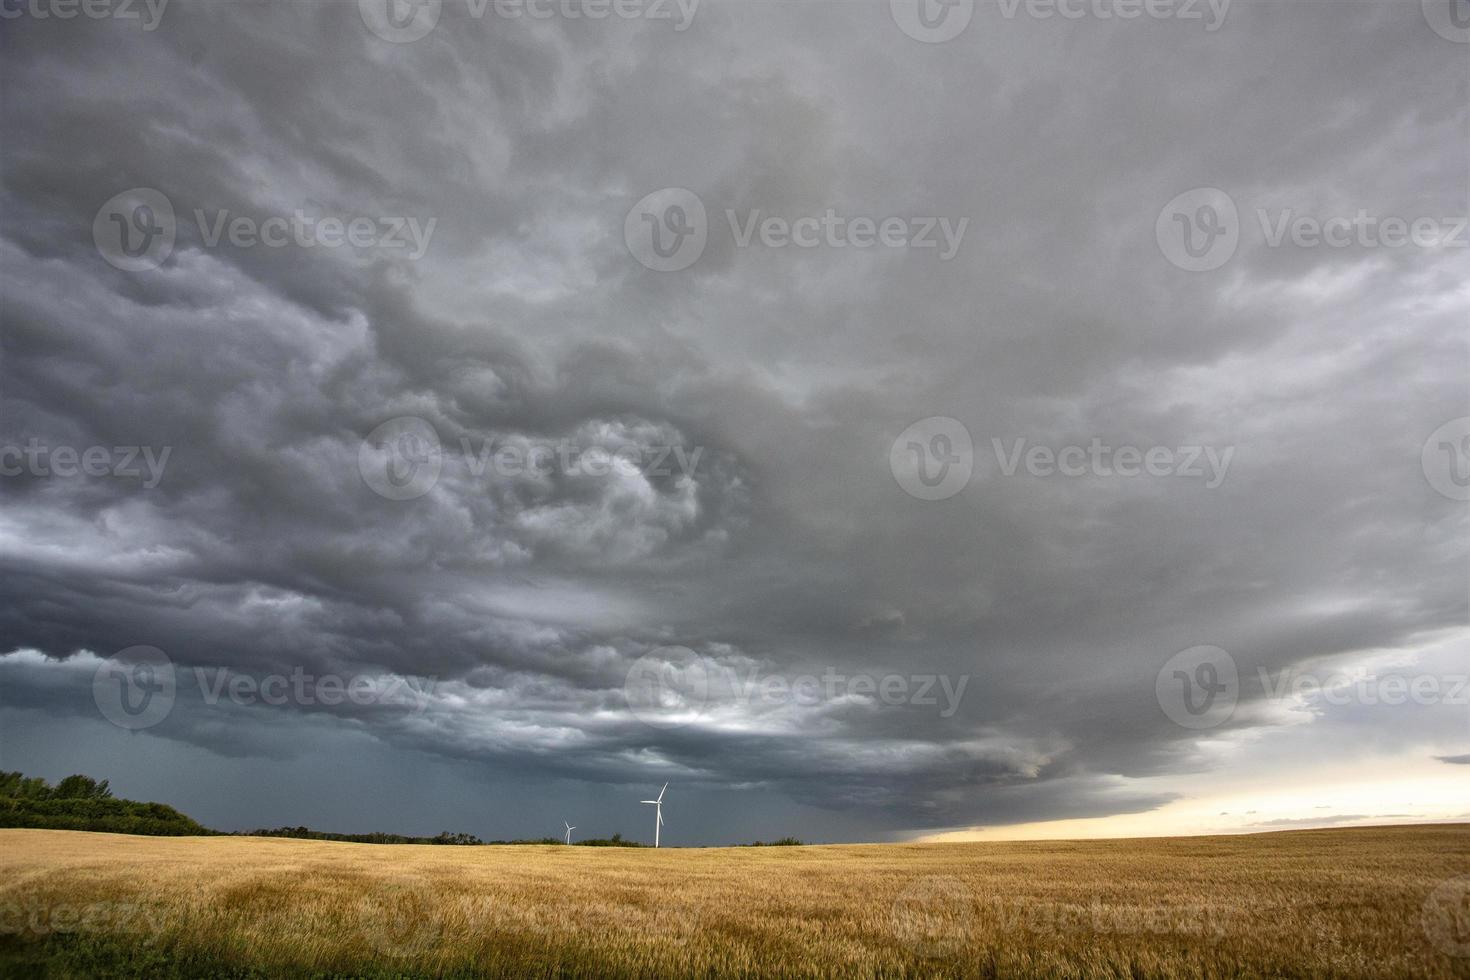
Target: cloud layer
(724, 489)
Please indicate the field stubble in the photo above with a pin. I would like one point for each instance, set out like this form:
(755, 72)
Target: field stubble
(1352, 902)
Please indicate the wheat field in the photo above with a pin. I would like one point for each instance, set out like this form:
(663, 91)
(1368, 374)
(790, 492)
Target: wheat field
(1352, 902)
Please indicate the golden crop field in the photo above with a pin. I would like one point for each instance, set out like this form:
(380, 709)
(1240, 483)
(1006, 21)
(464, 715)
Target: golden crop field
(1350, 903)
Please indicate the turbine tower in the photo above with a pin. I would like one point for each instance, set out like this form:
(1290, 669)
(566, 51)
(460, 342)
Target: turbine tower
(658, 812)
(570, 828)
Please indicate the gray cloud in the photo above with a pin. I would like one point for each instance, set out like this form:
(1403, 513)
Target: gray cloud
(790, 548)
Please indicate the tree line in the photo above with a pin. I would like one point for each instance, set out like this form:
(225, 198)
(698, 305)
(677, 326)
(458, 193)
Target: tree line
(82, 803)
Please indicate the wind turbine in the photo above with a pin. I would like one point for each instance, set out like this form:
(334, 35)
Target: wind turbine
(570, 828)
(659, 811)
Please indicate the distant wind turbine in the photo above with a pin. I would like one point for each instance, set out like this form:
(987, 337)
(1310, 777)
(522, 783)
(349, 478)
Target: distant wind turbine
(570, 828)
(659, 812)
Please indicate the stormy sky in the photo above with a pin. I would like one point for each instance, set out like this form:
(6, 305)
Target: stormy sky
(873, 419)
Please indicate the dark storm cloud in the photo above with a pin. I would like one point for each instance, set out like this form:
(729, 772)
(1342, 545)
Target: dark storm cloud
(788, 548)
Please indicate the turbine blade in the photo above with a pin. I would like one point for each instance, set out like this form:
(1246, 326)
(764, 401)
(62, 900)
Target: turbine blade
(662, 791)
(655, 802)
